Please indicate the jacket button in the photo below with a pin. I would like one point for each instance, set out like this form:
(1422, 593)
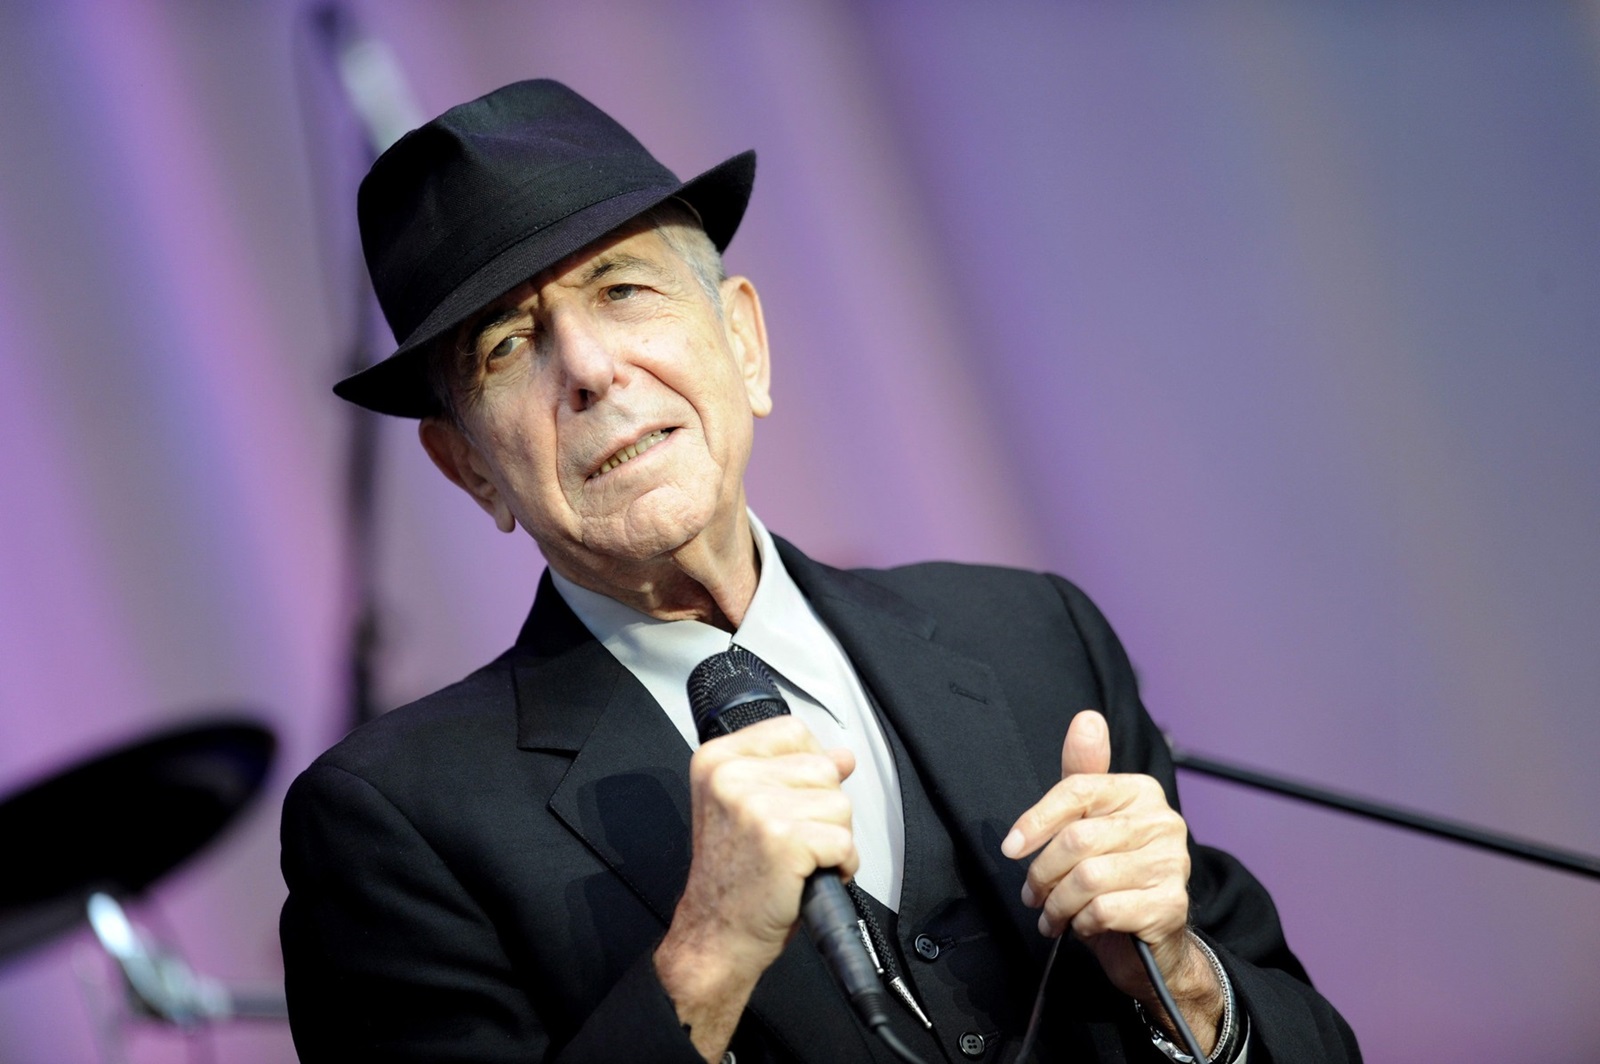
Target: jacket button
(927, 948)
(971, 1045)
(729, 1058)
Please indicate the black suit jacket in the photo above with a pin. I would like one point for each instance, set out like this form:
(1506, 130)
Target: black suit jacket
(484, 874)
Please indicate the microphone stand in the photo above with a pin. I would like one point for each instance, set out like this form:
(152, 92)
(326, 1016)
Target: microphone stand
(375, 94)
(1439, 827)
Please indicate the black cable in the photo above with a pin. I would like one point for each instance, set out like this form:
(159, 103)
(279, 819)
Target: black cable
(887, 1036)
(1150, 969)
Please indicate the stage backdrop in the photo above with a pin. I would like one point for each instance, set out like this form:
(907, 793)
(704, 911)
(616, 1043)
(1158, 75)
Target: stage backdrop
(1274, 325)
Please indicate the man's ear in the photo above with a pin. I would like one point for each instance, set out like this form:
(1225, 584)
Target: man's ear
(458, 459)
(747, 332)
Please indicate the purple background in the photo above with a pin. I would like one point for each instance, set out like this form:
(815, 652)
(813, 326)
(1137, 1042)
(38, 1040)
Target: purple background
(1273, 325)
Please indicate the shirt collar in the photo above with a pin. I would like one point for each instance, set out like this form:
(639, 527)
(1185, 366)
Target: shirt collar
(778, 627)
(781, 629)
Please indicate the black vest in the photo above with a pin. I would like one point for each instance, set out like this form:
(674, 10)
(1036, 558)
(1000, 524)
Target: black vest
(976, 992)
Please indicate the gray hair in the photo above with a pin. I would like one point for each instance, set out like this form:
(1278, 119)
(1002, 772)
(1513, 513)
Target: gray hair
(452, 368)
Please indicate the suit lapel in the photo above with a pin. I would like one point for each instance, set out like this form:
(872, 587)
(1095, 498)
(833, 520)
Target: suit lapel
(627, 792)
(952, 717)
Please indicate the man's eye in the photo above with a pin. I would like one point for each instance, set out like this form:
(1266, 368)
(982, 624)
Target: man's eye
(505, 347)
(618, 292)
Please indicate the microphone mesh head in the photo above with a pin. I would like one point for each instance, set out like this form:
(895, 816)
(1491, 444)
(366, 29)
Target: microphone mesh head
(730, 690)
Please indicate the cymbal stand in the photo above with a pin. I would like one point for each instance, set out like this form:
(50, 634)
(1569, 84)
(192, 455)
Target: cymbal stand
(161, 986)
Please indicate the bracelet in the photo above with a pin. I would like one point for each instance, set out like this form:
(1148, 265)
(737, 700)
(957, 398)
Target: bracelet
(1228, 1038)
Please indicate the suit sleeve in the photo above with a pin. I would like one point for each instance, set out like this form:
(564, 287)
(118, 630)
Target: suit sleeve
(388, 957)
(1289, 1020)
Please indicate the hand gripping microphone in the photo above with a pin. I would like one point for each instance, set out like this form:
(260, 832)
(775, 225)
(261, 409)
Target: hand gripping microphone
(728, 691)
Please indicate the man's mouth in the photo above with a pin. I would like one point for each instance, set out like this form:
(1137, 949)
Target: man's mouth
(632, 451)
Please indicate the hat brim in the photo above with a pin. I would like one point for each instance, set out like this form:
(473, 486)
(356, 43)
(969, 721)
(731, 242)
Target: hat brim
(399, 385)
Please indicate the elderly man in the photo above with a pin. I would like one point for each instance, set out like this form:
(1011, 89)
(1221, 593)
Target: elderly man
(543, 861)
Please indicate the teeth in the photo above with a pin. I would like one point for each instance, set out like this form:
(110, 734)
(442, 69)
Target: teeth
(633, 450)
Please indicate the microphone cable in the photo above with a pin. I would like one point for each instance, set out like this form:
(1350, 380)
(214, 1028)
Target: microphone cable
(1190, 1043)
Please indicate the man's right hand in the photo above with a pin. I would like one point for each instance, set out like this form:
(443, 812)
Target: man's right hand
(768, 811)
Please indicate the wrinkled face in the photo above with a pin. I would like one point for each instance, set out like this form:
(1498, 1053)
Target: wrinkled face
(614, 406)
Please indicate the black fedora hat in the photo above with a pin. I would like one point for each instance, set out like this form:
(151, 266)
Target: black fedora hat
(468, 206)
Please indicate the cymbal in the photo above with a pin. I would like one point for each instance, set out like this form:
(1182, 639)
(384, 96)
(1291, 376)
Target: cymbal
(119, 821)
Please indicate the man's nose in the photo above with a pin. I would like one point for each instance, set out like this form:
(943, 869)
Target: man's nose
(588, 365)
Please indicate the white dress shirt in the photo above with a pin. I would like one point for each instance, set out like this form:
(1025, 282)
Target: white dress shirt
(813, 673)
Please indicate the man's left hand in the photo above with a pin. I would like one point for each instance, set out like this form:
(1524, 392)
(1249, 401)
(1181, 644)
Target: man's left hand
(1113, 861)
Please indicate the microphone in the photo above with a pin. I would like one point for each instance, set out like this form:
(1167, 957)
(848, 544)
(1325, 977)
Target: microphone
(729, 691)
